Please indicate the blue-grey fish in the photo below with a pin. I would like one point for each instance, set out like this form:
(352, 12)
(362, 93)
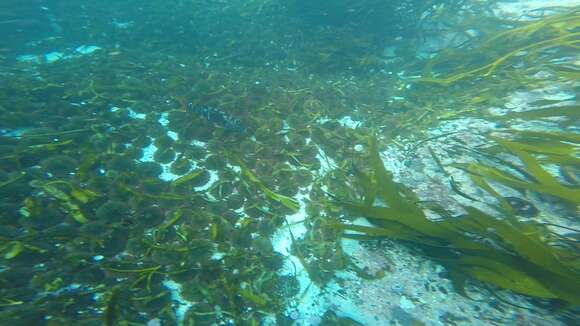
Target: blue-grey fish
(218, 117)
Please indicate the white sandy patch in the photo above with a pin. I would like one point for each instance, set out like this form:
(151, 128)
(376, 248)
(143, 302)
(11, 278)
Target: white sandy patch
(349, 122)
(148, 153)
(55, 56)
(180, 303)
(213, 178)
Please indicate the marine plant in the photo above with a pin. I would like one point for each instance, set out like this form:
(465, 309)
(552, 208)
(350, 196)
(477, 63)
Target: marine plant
(533, 149)
(96, 237)
(522, 257)
(286, 201)
(526, 41)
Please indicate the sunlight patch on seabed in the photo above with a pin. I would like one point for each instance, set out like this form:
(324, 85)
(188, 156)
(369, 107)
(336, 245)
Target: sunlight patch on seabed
(305, 305)
(522, 8)
(55, 56)
(182, 305)
(312, 302)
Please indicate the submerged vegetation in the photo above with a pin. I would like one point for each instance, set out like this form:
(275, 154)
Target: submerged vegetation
(528, 41)
(122, 205)
(523, 257)
(554, 148)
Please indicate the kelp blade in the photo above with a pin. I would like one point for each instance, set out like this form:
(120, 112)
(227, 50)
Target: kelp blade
(514, 257)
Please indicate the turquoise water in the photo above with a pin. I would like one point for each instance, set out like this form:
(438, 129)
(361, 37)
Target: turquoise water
(267, 162)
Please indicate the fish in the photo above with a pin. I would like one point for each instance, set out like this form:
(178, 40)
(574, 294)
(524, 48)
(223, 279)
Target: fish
(219, 118)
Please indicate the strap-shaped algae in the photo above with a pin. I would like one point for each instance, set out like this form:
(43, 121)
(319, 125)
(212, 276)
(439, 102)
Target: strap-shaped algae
(543, 182)
(288, 202)
(68, 200)
(502, 252)
(558, 31)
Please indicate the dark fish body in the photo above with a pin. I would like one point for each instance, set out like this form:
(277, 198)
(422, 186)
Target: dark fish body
(219, 118)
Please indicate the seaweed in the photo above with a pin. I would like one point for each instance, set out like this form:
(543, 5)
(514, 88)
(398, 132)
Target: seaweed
(514, 256)
(556, 148)
(75, 255)
(12, 179)
(557, 31)
(68, 201)
(570, 112)
(286, 201)
(112, 308)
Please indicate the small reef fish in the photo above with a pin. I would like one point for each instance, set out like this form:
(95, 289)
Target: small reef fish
(218, 117)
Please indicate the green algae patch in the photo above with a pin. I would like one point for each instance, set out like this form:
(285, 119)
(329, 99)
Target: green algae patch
(503, 252)
(70, 202)
(530, 38)
(286, 201)
(554, 148)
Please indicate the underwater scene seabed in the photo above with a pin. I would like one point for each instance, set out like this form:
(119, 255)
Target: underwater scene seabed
(269, 162)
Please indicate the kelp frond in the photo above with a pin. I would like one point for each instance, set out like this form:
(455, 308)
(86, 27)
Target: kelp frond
(286, 201)
(554, 148)
(557, 31)
(505, 253)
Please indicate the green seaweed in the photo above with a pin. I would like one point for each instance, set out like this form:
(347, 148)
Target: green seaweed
(543, 182)
(288, 202)
(571, 112)
(557, 31)
(66, 200)
(163, 231)
(112, 310)
(515, 257)
(188, 177)
(258, 299)
(12, 179)
(13, 249)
